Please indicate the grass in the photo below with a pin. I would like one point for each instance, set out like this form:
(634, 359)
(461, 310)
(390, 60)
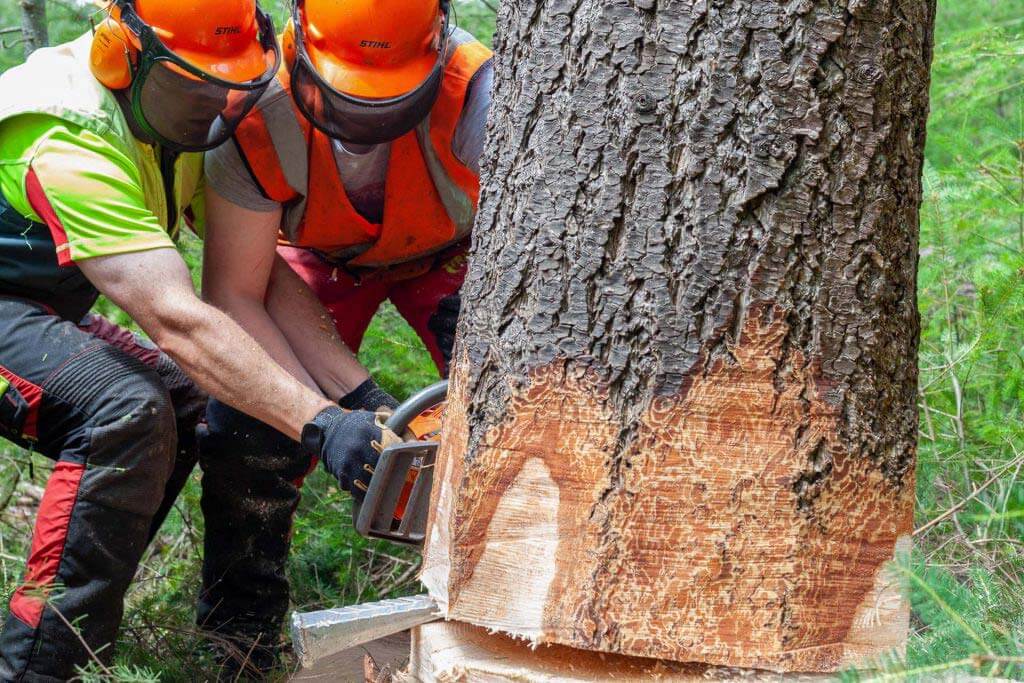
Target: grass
(965, 578)
(965, 575)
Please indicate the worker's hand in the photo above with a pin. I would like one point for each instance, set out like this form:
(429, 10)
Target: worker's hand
(443, 324)
(368, 396)
(350, 445)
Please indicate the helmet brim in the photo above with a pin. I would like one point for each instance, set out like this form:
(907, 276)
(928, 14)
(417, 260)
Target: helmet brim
(372, 82)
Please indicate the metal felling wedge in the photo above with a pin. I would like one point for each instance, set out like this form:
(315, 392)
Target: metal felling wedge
(316, 635)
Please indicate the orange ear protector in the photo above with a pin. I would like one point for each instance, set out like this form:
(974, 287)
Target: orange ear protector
(288, 44)
(113, 55)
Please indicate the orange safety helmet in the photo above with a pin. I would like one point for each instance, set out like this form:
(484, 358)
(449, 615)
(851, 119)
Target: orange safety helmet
(366, 71)
(195, 69)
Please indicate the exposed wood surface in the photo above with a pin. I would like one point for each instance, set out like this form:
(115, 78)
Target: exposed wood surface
(458, 653)
(683, 416)
(705, 549)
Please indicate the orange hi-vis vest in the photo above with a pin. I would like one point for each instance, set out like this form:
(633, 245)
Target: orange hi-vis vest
(430, 197)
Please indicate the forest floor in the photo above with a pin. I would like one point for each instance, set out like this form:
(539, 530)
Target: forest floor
(966, 576)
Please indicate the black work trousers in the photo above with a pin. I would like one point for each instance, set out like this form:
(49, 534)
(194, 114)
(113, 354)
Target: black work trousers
(118, 418)
(252, 477)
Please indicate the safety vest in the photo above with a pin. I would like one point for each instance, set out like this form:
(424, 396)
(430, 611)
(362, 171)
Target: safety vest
(430, 197)
(57, 81)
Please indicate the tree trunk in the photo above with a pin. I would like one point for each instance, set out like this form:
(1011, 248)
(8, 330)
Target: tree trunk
(683, 415)
(33, 25)
(443, 652)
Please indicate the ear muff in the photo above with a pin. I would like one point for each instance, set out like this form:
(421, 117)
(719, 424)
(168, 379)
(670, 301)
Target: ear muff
(288, 44)
(112, 57)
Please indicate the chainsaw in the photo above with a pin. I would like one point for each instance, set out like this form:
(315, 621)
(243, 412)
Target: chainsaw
(395, 508)
(397, 500)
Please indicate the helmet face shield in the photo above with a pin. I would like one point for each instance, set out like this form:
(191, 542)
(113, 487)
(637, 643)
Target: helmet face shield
(361, 120)
(188, 114)
(183, 108)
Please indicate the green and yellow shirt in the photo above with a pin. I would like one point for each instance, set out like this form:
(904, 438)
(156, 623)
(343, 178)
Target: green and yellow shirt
(76, 184)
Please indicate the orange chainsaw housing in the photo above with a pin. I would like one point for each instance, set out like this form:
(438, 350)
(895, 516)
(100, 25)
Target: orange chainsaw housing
(425, 427)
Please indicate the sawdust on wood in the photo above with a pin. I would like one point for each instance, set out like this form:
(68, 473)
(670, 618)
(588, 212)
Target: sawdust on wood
(734, 529)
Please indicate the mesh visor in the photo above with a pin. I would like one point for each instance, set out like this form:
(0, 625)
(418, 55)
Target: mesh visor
(183, 107)
(190, 113)
(359, 120)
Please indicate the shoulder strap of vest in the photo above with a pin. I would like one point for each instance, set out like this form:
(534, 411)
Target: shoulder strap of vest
(272, 141)
(472, 54)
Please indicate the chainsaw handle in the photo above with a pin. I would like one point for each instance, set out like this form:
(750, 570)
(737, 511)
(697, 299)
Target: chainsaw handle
(403, 416)
(410, 409)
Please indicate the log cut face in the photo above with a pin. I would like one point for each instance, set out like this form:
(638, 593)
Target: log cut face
(450, 652)
(682, 420)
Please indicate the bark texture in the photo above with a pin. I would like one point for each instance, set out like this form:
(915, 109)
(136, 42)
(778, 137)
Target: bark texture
(682, 422)
(33, 25)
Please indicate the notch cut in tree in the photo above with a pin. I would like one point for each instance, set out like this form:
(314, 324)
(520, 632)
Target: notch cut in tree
(682, 421)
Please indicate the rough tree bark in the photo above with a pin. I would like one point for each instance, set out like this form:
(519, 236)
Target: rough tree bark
(682, 422)
(33, 25)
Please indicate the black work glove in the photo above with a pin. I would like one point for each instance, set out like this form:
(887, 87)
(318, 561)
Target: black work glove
(349, 443)
(443, 323)
(368, 396)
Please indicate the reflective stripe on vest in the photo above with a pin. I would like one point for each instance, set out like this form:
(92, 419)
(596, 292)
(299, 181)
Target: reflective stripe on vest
(287, 136)
(457, 204)
(285, 154)
(288, 141)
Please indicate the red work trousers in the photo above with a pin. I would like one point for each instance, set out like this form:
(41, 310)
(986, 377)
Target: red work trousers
(425, 294)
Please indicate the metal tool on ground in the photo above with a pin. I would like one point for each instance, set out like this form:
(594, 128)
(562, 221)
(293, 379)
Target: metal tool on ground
(398, 499)
(322, 634)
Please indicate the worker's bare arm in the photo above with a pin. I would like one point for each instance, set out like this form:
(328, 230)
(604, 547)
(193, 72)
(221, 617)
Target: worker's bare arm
(243, 276)
(155, 289)
(311, 332)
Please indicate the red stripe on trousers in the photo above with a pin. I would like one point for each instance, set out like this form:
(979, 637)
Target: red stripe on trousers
(33, 395)
(51, 532)
(40, 203)
(119, 338)
(299, 481)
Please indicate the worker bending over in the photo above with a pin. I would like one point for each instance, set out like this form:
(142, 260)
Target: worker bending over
(98, 171)
(359, 166)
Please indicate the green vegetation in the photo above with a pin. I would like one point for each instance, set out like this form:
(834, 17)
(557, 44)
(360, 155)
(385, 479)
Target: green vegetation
(965, 576)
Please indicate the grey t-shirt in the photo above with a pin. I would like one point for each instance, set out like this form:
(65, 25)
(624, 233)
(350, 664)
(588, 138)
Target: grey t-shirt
(363, 173)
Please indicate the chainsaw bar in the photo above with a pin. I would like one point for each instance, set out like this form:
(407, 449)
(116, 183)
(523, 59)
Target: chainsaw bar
(318, 635)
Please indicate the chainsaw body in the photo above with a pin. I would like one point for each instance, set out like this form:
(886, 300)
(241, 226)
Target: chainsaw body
(398, 499)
